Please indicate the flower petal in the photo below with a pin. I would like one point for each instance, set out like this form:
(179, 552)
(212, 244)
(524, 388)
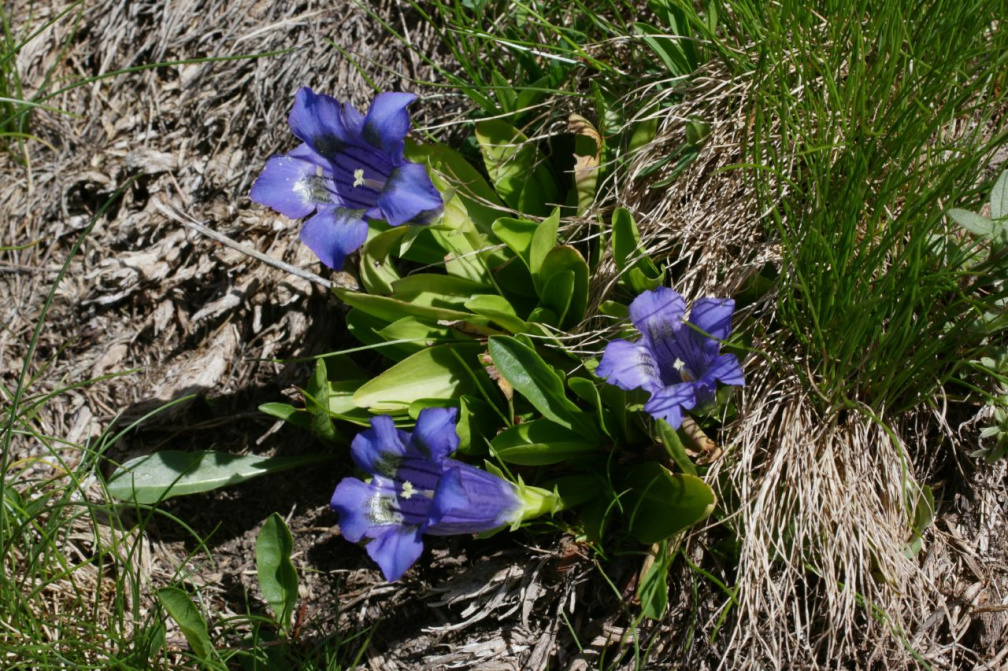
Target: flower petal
(726, 370)
(387, 123)
(333, 233)
(469, 500)
(380, 449)
(713, 317)
(352, 501)
(284, 185)
(670, 402)
(323, 123)
(659, 313)
(434, 435)
(659, 316)
(629, 366)
(396, 550)
(409, 194)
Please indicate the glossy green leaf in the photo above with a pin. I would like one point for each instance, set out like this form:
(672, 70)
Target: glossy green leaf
(391, 309)
(586, 390)
(516, 168)
(534, 379)
(412, 335)
(557, 294)
(181, 609)
(436, 290)
(497, 309)
(169, 473)
(569, 298)
(628, 254)
(544, 241)
(541, 442)
(478, 422)
(377, 269)
(658, 503)
(443, 372)
(341, 403)
(517, 234)
(278, 579)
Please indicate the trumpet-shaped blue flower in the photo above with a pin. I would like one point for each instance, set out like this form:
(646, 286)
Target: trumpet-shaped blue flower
(677, 361)
(348, 170)
(416, 489)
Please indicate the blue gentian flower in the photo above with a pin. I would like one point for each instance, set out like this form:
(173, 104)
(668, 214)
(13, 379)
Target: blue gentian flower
(349, 169)
(416, 489)
(677, 364)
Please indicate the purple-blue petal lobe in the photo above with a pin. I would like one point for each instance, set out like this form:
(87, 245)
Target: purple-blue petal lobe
(284, 185)
(726, 370)
(352, 501)
(658, 314)
(396, 550)
(434, 434)
(321, 122)
(670, 402)
(380, 449)
(409, 195)
(334, 233)
(629, 366)
(387, 123)
(470, 500)
(711, 316)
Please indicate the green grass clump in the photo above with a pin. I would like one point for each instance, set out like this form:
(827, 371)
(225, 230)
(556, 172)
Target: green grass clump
(861, 129)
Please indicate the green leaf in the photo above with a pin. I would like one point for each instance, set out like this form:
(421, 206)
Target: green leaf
(443, 372)
(659, 504)
(629, 256)
(999, 197)
(478, 421)
(467, 252)
(674, 446)
(169, 473)
(557, 293)
(644, 132)
(977, 224)
(436, 290)
(540, 443)
(534, 379)
(653, 589)
(497, 309)
(569, 298)
(516, 168)
(288, 413)
(517, 234)
(278, 578)
(417, 334)
(924, 512)
(377, 270)
(341, 403)
(543, 243)
(317, 402)
(671, 52)
(181, 609)
(391, 309)
(586, 390)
